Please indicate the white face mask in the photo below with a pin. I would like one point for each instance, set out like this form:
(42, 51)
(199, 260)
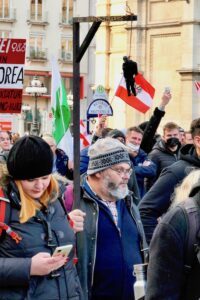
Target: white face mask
(133, 147)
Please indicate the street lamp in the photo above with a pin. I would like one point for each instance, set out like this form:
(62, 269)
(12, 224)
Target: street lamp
(36, 88)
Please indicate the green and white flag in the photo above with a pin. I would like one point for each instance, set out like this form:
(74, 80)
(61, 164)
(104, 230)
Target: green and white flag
(60, 107)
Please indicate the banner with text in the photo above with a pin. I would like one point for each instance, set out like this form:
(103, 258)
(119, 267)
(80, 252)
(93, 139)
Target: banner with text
(12, 59)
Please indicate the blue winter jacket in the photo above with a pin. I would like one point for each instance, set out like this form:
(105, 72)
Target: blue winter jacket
(141, 171)
(62, 164)
(84, 160)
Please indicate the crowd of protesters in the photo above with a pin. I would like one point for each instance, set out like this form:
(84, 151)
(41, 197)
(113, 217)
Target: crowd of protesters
(138, 192)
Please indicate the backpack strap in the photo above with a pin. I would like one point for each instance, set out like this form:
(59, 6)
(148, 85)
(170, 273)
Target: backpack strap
(4, 204)
(192, 214)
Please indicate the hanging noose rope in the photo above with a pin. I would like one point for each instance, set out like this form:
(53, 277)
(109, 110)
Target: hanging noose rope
(128, 11)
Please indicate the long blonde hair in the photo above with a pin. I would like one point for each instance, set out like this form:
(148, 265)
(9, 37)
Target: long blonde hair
(29, 206)
(183, 190)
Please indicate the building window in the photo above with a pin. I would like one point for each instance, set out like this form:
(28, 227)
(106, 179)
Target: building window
(66, 48)
(67, 11)
(5, 34)
(5, 8)
(36, 10)
(36, 42)
(68, 82)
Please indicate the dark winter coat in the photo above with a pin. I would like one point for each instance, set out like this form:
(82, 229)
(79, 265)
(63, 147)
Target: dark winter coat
(158, 199)
(148, 139)
(162, 156)
(42, 233)
(168, 278)
(62, 164)
(88, 240)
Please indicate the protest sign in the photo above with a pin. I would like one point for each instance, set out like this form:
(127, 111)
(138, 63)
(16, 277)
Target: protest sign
(12, 58)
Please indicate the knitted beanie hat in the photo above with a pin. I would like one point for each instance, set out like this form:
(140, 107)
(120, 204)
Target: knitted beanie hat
(30, 157)
(105, 153)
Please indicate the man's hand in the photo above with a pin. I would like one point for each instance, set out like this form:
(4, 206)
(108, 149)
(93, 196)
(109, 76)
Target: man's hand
(77, 216)
(132, 153)
(146, 163)
(101, 124)
(43, 264)
(166, 97)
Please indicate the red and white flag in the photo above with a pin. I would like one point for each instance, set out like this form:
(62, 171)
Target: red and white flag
(197, 85)
(145, 93)
(84, 139)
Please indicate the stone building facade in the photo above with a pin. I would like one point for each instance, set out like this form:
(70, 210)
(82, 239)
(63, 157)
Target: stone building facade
(47, 27)
(165, 42)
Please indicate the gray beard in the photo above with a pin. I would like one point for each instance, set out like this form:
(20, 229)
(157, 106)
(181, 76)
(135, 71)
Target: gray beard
(119, 193)
(114, 191)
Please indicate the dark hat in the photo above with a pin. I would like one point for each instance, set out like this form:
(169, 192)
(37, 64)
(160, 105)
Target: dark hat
(30, 157)
(115, 133)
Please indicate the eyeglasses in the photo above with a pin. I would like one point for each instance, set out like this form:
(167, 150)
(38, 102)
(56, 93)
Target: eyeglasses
(121, 171)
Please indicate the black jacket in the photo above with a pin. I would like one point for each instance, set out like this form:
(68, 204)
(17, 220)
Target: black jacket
(42, 233)
(162, 156)
(130, 69)
(148, 139)
(157, 200)
(167, 276)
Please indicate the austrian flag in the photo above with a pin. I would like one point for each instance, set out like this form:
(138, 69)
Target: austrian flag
(197, 85)
(145, 93)
(84, 139)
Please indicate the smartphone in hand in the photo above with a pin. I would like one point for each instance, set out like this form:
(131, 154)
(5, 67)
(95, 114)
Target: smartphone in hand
(63, 250)
(167, 89)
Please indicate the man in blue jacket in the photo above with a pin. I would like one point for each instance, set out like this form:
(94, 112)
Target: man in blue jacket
(113, 237)
(143, 167)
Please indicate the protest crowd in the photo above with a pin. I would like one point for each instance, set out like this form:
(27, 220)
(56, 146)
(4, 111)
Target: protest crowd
(139, 210)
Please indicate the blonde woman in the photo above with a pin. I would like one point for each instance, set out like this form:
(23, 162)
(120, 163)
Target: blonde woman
(183, 190)
(36, 224)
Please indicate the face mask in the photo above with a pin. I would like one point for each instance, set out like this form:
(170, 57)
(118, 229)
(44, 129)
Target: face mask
(172, 142)
(133, 147)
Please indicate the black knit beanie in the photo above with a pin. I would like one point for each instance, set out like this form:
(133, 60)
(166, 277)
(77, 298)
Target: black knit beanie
(115, 133)
(30, 157)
